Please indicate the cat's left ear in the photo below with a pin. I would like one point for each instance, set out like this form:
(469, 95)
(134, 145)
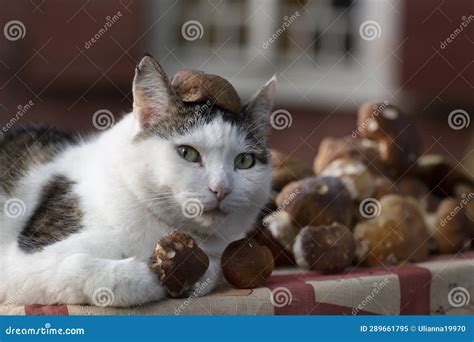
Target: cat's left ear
(153, 97)
(260, 105)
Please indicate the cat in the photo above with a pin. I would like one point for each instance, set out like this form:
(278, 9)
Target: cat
(82, 215)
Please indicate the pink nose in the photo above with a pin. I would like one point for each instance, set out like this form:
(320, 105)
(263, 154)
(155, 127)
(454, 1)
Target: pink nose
(220, 192)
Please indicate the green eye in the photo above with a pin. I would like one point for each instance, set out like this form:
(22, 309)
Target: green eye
(244, 161)
(188, 153)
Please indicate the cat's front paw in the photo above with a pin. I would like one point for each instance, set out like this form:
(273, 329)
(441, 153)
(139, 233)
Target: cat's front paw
(179, 263)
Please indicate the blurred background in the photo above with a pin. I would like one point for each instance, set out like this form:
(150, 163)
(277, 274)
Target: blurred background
(62, 61)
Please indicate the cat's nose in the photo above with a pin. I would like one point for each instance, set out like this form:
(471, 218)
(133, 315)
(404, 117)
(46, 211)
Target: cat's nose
(219, 192)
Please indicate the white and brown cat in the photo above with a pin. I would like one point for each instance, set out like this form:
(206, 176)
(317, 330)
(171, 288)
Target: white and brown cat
(92, 209)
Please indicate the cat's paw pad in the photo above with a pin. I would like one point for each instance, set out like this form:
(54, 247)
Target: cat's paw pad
(179, 263)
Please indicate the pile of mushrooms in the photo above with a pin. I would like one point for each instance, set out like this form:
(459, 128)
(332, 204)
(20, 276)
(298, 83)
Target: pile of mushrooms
(370, 200)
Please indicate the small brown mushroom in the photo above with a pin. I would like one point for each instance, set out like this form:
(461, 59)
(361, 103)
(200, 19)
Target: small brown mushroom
(196, 86)
(316, 201)
(440, 175)
(354, 174)
(327, 249)
(414, 188)
(380, 243)
(246, 264)
(280, 225)
(384, 186)
(397, 234)
(286, 170)
(449, 226)
(331, 149)
(281, 256)
(179, 263)
(397, 137)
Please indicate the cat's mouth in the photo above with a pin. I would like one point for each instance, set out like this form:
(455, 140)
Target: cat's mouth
(216, 211)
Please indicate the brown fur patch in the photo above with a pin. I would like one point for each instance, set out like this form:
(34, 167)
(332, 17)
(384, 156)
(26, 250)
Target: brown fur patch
(57, 216)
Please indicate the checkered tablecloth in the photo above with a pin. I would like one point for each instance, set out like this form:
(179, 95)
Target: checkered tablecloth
(443, 285)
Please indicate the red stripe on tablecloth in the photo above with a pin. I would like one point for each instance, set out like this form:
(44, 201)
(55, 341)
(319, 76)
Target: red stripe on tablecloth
(415, 283)
(303, 299)
(46, 310)
(302, 294)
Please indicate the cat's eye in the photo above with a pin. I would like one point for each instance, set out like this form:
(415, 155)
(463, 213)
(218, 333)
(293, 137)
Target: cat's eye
(244, 161)
(189, 153)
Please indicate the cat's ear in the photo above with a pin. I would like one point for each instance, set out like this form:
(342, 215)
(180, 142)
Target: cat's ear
(152, 93)
(259, 108)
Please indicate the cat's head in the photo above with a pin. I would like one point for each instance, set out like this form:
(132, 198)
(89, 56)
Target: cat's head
(196, 163)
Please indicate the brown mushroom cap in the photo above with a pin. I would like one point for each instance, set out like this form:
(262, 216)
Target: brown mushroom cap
(384, 186)
(196, 86)
(440, 175)
(450, 226)
(398, 234)
(286, 170)
(280, 225)
(331, 149)
(354, 174)
(327, 249)
(407, 212)
(246, 264)
(380, 243)
(410, 186)
(396, 135)
(178, 262)
(317, 201)
(281, 256)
